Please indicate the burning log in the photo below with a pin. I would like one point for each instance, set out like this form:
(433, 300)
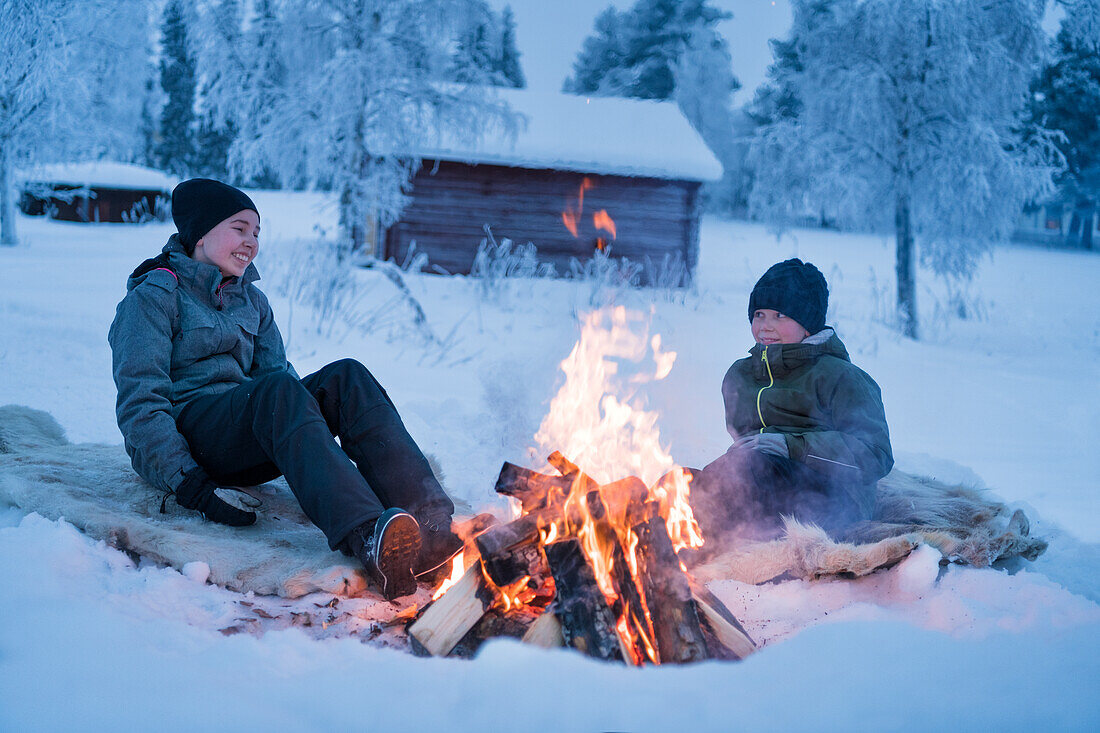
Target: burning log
(628, 604)
(617, 587)
(511, 551)
(451, 616)
(534, 490)
(587, 622)
(676, 628)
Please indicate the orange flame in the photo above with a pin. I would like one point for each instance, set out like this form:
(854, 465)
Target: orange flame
(458, 569)
(602, 220)
(598, 418)
(572, 214)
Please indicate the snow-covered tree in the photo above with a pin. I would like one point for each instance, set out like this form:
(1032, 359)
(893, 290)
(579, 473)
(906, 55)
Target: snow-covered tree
(635, 53)
(704, 84)
(486, 49)
(670, 49)
(509, 65)
(1081, 22)
(225, 71)
(175, 149)
(345, 94)
(58, 61)
(477, 47)
(910, 122)
(1067, 99)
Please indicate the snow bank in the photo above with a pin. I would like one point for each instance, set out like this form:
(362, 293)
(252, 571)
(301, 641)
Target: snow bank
(1008, 402)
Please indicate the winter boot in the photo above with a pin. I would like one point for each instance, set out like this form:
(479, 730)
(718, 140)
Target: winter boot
(438, 544)
(388, 549)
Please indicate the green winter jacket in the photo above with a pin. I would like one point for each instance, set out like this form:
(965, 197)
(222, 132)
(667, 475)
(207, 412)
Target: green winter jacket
(181, 332)
(829, 410)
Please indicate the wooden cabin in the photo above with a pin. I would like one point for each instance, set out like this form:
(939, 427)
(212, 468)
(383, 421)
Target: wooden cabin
(96, 192)
(580, 175)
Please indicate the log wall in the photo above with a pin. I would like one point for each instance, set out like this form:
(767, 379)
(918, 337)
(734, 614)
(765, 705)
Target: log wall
(452, 203)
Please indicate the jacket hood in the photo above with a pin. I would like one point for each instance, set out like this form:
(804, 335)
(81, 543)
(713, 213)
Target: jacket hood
(173, 257)
(785, 358)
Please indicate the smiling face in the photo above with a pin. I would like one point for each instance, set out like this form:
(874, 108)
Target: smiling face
(232, 244)
(772, 327)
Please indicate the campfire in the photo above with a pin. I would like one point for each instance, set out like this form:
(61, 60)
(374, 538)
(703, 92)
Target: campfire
(590, 559)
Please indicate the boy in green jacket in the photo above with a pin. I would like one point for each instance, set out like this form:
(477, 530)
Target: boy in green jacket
(809, 429)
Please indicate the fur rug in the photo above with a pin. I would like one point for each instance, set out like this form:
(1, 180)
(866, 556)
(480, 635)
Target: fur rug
(965, 526)
(94, 488)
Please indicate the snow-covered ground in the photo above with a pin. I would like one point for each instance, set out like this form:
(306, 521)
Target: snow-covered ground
(1008, 401)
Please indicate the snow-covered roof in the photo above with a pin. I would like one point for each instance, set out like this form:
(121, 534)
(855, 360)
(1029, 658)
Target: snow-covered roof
(628, 137)
(101, 174)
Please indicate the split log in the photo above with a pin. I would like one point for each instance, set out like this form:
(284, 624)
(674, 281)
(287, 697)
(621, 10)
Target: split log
(534, 490)
(546, 631)
(676, 629)
(587, 622)
(734, 642)
(450, 617)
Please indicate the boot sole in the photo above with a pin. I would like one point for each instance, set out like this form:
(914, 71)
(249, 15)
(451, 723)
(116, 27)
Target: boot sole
(397, 551)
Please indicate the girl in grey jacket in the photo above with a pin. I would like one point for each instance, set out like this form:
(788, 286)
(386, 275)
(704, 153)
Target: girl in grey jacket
(207, 399)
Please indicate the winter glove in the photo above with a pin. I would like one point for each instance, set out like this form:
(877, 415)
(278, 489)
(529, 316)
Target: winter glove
(198, 492)
(771, 443)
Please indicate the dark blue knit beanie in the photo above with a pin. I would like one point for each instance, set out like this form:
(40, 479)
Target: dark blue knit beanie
(200, 204)
(796, 289)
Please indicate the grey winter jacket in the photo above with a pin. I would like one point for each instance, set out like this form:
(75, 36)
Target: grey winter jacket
(181, 332)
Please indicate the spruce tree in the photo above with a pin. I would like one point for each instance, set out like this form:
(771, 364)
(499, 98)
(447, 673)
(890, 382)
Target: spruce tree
(175, 148)
(215, 133)
(635, 53)
(1066, 98)
(508, 65)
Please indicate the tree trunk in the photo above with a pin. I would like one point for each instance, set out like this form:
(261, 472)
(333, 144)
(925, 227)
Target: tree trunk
(1074, 224)
(8, 236)
(906, 266)
(1087, 230)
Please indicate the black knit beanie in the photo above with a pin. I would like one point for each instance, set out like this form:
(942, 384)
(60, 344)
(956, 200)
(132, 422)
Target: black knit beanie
(200, 204)
(796, 289)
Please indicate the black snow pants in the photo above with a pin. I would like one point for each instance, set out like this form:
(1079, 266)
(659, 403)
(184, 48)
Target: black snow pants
(747, 492)
(277, 425)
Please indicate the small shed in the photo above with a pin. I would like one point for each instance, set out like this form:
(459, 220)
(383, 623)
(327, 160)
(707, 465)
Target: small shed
(582, 174)
(96, 192)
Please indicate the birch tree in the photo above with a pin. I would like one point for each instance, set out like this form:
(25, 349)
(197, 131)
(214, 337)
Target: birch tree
(344, 94)
(58, 60)
(910, 122)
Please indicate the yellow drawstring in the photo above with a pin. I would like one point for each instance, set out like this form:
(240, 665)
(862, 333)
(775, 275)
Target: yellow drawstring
(764, 358)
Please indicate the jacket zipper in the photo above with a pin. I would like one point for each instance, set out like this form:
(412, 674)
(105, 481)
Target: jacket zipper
(767, 364)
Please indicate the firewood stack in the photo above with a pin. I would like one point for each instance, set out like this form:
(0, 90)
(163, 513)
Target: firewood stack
(587, 566)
